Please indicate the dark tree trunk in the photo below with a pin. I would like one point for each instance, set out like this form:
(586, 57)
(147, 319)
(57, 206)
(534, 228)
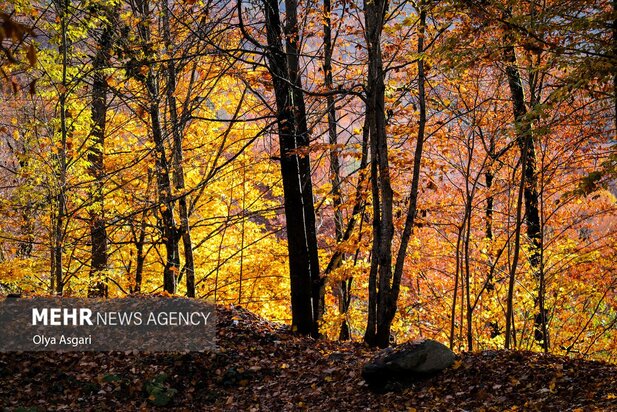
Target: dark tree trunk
(140, 240)
(140, 259)
(417, 162)
(490, 200)
(343, 291)
(306, 283)
(378, 328)
(98, 233)
(525, 141)
(510, 334)
(177, 159)
(384, 284)
(469, 312)
(489, 176)
(60, 198)
(168, 228)
(457, 273)
(167, 221)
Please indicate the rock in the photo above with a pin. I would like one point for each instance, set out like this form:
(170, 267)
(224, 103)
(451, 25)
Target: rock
(396, 368)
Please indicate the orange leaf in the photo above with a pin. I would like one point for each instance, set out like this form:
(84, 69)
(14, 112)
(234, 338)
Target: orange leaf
(31, 55)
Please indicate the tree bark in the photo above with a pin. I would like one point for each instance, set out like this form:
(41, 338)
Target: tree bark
(517, 245)
(490, 201)
(178, 158)
(343, 291)
(525, 141)
(98, 234)
(306, 283)
(377, 329)
(384, 283)
(167, 223)
(169, 230)
(140, 240)
(60, 217)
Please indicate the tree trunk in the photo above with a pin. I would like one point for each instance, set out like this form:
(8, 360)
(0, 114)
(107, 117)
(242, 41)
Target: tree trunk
(490, 200)
(469, 312)
(378, 328)
(489, 176)
(517, 245)
(457, 273)
(24, 249)
(384, 284)
(98, 234)
(343, 291)
(60, 218)
(524, 136)
(306, 283)
(177, 158)
(168, 226)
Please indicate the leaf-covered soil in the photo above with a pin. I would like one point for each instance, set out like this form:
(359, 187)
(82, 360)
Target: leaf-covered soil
(263, 367)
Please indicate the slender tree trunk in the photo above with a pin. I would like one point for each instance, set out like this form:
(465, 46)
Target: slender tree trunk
(292, 35)
(306, 283)
(457, 273)
(384, 284)
(141, 257)
(168, 226)
(417, 162)
(469, 312)
(98, 233)
(489, 204)
(377, 330)
(140, 240)
(177, 157)
(335, 168)
(517, 246)
(525, 142)
(490, 200)
(60, 218)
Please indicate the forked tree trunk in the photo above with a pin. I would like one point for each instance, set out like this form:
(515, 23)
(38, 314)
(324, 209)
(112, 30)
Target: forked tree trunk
(380, 276)
(384, 283)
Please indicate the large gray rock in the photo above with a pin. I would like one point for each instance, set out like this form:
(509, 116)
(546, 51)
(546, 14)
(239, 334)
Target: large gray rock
(407, 363)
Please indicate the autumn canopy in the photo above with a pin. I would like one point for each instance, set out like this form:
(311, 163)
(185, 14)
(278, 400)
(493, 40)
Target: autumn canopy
(377, 171)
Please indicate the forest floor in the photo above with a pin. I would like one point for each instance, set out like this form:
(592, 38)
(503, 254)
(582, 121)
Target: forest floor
(263, 367)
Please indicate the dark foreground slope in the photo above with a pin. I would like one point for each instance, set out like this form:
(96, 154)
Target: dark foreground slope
(261, 367)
